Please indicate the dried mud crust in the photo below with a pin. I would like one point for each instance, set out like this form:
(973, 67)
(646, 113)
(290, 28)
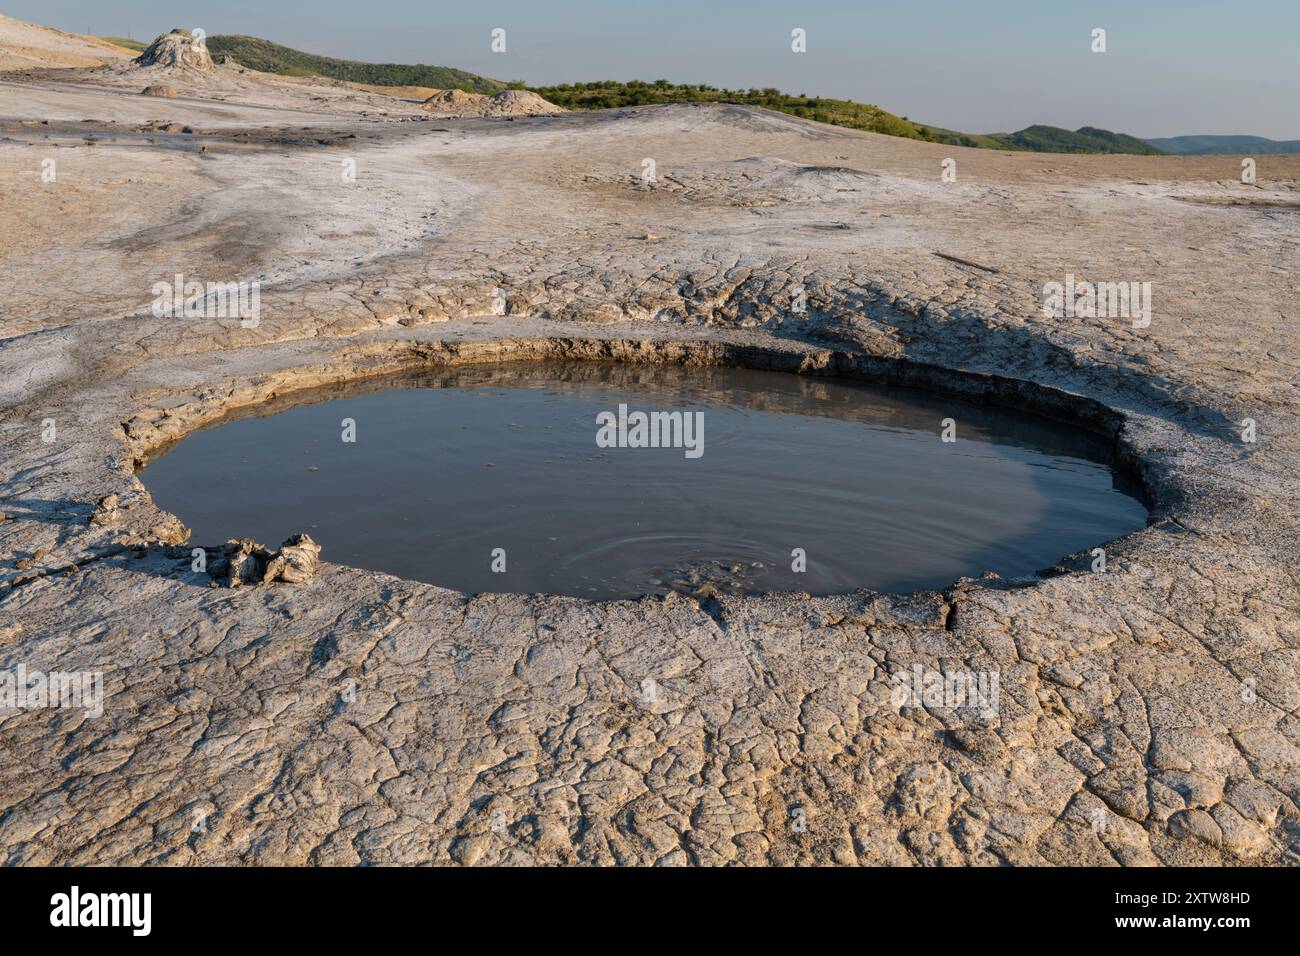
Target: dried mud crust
(1147, 714)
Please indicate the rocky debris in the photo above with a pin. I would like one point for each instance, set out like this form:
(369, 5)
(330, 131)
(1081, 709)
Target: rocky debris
(159, 89)
(106, 512)
(30, 561)
(457, 103)
(168, 127)
(295, 562)
(453, 102)
(243, 561)
(177, 50)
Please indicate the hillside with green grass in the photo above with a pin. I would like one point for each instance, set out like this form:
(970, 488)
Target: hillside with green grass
(1211, 145)
(1048, 139)
(137, 45)
(607, 94)
(1086, 139)
(259, 54)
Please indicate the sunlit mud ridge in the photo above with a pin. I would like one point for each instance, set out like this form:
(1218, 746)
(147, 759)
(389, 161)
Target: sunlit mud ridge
(1144, 713)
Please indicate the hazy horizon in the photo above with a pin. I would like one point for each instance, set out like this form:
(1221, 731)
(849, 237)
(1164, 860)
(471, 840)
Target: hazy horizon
(1172, 67)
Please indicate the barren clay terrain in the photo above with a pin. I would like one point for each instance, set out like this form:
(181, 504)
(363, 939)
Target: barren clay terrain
(1148, 712)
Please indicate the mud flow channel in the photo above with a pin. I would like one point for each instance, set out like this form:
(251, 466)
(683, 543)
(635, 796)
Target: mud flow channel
(603, 480)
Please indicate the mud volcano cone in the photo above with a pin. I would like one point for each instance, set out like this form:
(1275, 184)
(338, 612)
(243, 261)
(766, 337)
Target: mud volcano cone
(178, 50)
(505, 103)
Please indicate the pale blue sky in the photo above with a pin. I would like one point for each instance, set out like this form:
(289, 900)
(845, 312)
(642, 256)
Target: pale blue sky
(1172, 66)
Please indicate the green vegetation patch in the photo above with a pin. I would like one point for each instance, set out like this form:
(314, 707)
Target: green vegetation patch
(136, 45)
(1086, 139)
(608, 94)
(268, 57)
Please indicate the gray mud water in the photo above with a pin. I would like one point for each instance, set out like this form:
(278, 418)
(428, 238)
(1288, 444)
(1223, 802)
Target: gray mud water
(449, 466)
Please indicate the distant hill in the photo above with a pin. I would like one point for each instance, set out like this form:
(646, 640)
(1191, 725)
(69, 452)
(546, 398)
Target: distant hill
(607, 94)
(268, 57)
(1206, 145)
(1086, 139)
(1051, 139)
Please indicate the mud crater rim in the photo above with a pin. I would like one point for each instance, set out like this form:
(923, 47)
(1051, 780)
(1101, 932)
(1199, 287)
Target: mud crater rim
(801, 358)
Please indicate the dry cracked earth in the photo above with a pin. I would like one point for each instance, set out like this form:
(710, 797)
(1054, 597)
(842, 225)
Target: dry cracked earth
(1147, 713)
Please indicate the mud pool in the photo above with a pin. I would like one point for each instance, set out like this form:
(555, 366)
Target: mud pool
(500, 479)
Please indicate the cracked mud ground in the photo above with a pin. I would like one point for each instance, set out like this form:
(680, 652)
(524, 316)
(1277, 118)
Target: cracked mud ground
(1148, 714)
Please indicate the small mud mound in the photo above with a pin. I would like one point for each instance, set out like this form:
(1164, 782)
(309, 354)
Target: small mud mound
(524, 103)
(457, 103)
(834, 175)
(178, 50)
(159, 89)
(758, 181)
(453, 102)
(788, 182)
